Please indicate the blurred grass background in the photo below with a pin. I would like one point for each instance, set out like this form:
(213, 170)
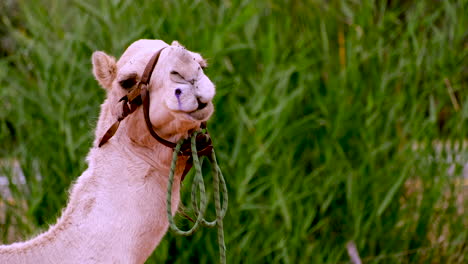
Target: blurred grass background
(328, 115)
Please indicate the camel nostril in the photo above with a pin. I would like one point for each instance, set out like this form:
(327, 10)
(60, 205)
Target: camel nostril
(178, 92)
(201, 105)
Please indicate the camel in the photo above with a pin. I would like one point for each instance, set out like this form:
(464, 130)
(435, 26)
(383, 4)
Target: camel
(116, 211)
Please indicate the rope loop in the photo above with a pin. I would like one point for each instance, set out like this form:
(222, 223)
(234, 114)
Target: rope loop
(198, 186)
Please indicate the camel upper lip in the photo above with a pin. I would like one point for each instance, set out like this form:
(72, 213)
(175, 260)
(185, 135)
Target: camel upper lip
(201, 106)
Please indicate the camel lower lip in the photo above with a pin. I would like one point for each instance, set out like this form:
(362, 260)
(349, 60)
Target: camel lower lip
(198, 115)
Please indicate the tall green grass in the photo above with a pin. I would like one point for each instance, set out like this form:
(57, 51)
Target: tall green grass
(319, 105)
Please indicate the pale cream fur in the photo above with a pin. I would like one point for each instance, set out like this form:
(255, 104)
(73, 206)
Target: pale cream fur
(117, 208)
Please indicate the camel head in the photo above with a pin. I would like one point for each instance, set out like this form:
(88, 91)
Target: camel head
(180, 93)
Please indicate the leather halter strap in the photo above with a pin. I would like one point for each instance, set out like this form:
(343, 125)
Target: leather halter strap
(144, 93)
(140, 96)
(134, 99)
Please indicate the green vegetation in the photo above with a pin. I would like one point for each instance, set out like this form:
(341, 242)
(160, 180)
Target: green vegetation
(319, 106)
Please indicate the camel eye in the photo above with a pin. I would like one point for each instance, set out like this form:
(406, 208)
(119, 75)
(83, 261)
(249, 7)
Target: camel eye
(176, 73)
(128, 82)
(177, 77)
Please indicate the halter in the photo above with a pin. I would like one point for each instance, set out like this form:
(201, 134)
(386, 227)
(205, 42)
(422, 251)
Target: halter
(140, 96)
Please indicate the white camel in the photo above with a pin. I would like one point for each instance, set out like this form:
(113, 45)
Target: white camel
(117, 208)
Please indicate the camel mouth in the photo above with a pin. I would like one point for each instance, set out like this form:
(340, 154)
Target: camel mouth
(202, 113)
(201, 105)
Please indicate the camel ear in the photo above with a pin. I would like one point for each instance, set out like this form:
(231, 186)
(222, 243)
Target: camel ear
(198, 57)
(104, 69)
(177, 44)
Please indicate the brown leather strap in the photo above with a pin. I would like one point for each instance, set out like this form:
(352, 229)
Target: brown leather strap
(188, 167)
(109, 133)
(145, 96)
(128, 107)
(204, 148)
(146, 77)
(134, 99)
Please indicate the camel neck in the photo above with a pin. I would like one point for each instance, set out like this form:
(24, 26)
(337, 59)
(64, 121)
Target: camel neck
(116, 213)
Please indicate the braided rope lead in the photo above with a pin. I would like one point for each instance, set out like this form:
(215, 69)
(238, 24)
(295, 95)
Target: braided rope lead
(198, 185)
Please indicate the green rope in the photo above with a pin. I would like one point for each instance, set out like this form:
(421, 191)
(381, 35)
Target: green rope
(198, 186)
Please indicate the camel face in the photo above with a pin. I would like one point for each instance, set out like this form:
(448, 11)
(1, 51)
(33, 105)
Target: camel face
(182, 86)
(180, 92)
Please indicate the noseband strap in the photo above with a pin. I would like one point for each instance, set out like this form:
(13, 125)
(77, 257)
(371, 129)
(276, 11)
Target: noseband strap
(140, 96)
